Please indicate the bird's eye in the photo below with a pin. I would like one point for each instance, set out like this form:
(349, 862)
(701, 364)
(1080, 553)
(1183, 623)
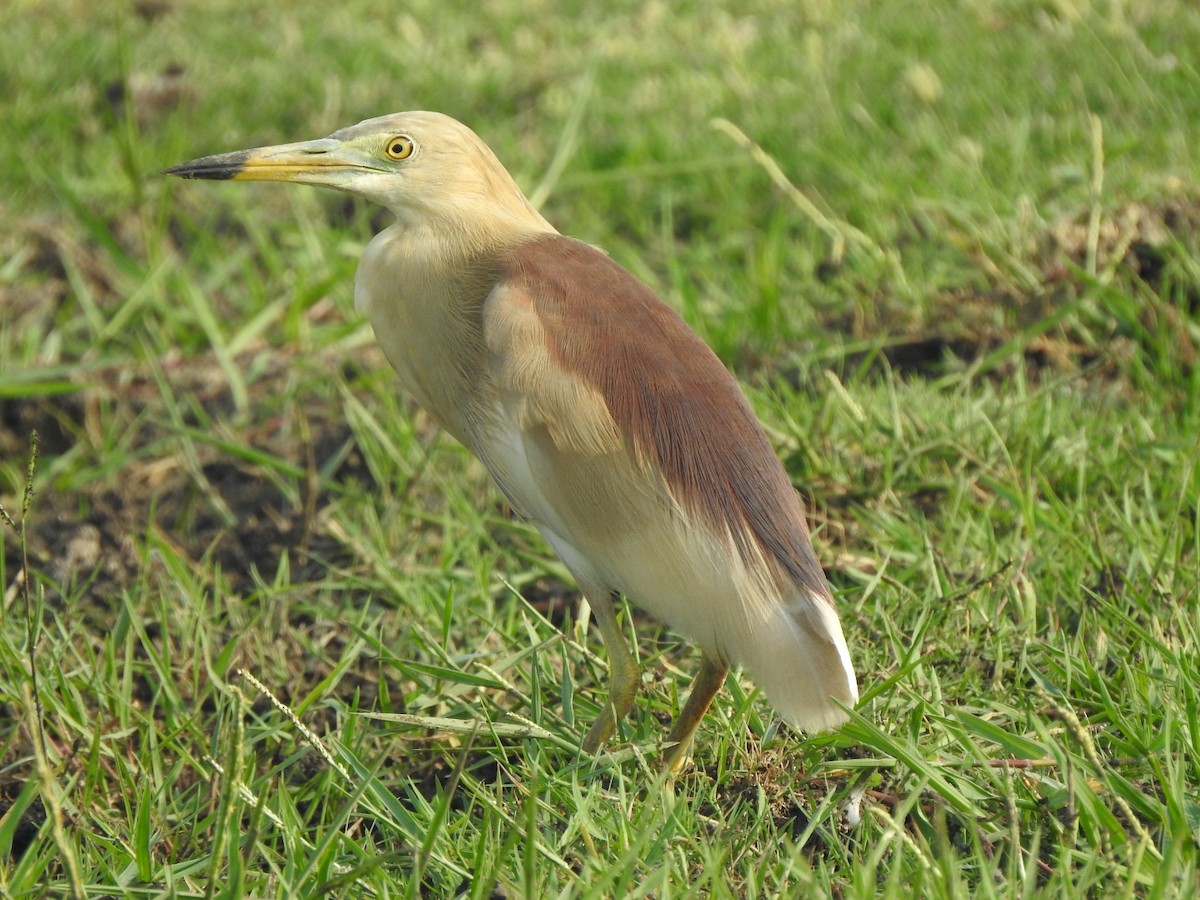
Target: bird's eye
(400, 147)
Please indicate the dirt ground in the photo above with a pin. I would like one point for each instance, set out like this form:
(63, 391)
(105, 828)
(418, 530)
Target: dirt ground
(88, 535)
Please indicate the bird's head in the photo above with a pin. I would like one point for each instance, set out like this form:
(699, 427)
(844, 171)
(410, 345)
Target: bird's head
(424, 166)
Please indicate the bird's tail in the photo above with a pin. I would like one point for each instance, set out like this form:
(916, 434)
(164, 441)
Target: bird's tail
(802, 663)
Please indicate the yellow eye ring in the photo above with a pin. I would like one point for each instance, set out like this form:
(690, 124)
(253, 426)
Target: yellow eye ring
(400, 147)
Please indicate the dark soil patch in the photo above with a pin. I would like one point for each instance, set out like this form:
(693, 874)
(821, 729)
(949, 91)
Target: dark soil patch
(30, 822)
(219, 507)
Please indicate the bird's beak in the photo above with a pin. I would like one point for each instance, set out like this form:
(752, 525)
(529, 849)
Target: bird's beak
(307, 161)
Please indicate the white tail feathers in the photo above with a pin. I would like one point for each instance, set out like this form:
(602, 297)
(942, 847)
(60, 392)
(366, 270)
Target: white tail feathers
(802, 663)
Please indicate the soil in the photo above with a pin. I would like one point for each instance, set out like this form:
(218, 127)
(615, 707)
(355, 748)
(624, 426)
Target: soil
(216, 507)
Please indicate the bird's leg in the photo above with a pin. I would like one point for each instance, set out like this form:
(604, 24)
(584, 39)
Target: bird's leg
(623, 679)
(704, 688)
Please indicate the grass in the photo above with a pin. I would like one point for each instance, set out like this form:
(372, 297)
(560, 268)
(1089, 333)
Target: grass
(277, 637)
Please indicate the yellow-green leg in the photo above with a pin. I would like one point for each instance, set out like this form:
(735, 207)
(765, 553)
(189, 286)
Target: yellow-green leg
(623, 678)
(704, 688)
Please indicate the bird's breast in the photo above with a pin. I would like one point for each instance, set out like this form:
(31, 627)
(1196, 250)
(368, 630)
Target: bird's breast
(427, 322)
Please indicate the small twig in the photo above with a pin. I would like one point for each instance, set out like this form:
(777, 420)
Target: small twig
(247, 795)
(1009, 762)
(309, 736)
(1015, 763)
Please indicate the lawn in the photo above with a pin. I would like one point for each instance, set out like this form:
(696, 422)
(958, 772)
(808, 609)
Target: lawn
(267, 632)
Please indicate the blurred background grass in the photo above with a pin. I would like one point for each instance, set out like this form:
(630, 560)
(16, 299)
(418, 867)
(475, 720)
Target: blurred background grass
(988, 401)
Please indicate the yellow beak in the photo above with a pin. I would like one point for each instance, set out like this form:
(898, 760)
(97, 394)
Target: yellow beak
(307, 162)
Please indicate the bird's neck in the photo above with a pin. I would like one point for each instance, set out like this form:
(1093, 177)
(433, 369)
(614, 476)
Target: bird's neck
(423, 285)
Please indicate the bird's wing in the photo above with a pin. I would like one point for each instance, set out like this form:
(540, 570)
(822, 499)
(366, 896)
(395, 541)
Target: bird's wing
(624, 437)
(551, 439)
(586, 353)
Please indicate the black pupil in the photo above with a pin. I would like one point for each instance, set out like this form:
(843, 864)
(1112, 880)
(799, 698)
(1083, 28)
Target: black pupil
(398, 147)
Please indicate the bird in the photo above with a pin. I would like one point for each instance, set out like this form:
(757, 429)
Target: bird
(601, 416)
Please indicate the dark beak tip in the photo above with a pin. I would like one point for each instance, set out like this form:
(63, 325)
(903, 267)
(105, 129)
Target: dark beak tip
(221, 167)
(208, 173)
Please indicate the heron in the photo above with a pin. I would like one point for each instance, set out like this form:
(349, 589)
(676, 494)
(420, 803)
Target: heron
(600, 415)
